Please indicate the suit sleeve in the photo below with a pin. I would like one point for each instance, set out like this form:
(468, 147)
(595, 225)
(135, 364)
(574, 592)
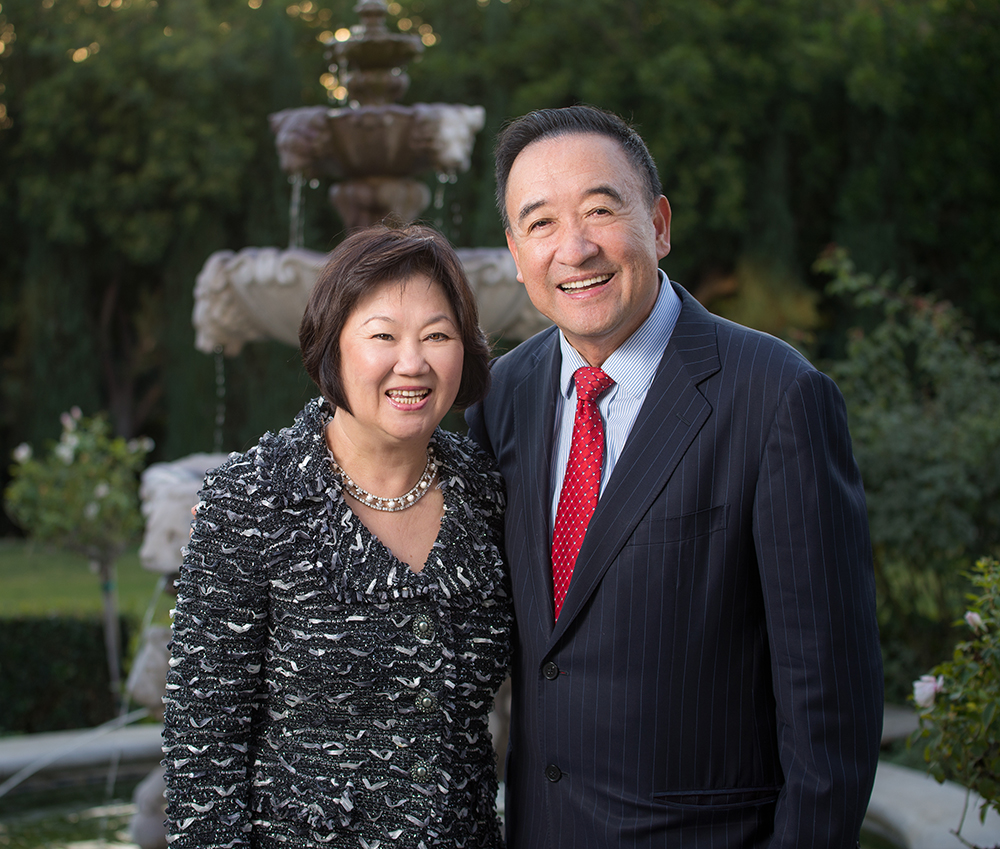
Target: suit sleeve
(475, 418)
(215, 673)
(814, 556)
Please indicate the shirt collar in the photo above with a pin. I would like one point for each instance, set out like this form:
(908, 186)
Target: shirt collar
(633, 365)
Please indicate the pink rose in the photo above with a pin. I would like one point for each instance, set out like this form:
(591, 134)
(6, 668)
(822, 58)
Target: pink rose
(974, 620)
(925, 688)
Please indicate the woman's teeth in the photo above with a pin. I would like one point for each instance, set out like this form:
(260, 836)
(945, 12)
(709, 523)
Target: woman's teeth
(408, 396)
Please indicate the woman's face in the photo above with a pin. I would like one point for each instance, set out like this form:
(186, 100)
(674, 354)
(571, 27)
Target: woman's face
(401, 357)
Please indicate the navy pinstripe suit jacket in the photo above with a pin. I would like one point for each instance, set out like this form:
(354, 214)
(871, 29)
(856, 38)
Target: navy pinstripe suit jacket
(714, 678)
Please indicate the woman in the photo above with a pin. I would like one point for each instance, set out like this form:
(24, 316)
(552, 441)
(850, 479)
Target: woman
(343, 617)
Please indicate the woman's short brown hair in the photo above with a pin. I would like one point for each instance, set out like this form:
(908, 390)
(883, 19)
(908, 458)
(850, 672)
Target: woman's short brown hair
(359, 265)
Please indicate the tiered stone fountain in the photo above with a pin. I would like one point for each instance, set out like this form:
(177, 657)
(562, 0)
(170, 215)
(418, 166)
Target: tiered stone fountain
(374, 149)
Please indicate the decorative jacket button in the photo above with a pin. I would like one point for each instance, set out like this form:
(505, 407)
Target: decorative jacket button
(420, 772)
(426, 701)
(550, 671)
(553, 773)
(423, 627)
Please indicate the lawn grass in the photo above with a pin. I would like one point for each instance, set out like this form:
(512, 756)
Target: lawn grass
(39, 581)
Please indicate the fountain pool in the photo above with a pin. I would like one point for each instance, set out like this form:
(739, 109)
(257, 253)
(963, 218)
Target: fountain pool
(79, 817)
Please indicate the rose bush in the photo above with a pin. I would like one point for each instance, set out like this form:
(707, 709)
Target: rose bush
(82, 495)
(958, 701)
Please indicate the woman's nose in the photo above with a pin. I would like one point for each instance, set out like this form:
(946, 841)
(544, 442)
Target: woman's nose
(411, 359)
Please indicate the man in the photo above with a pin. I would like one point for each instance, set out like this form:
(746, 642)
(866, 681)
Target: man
(711, 675)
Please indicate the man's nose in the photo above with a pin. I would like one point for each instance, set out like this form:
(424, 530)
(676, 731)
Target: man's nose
(576, 245)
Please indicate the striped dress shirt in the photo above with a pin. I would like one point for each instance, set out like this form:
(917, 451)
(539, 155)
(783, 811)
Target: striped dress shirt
(632, 368)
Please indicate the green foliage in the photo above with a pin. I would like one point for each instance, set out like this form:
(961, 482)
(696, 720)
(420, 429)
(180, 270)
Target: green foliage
(134, 142)
(83, 494)
(959, 700)
(922, 398)
(778, 126)
(53, 675)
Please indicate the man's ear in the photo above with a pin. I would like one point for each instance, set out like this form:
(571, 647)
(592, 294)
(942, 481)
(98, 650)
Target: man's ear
(661, 225)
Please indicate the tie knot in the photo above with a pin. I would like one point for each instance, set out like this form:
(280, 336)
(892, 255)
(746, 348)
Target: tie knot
(590, 382)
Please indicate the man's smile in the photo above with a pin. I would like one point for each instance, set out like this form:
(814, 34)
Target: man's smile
(589, 283)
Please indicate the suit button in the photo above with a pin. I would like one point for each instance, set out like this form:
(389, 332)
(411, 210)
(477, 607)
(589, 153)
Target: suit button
(553, 773)
(550, 671)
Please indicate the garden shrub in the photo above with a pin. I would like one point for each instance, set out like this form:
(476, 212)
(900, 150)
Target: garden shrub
(922, 399)
(959, 700)
(53, 673)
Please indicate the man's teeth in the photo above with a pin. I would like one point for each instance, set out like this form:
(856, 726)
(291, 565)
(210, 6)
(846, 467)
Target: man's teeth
(583, 284)
(408, 396)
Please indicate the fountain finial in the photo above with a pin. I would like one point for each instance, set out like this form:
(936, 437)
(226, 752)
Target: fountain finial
(374, 147)
(372, 59)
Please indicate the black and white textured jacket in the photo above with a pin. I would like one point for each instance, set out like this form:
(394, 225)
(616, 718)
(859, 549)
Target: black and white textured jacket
(320, 692)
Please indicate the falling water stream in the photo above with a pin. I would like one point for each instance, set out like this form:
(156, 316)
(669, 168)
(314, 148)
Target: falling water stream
(296, 220)
(220, 398)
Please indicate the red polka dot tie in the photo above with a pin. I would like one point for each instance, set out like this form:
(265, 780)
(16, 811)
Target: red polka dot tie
(582, 482)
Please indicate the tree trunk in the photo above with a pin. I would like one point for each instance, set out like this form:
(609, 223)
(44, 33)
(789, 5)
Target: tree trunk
(112, 630)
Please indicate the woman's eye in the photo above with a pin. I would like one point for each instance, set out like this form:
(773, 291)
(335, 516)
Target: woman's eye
(438, 336)
(385, 336)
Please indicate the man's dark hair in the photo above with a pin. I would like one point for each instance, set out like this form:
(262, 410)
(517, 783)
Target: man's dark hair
(547, 123)
(375, 257)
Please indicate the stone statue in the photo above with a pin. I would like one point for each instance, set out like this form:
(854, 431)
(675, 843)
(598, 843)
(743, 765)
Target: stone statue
(168, 492)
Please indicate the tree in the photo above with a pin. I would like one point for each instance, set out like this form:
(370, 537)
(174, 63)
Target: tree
(779, 127)
(135, 142)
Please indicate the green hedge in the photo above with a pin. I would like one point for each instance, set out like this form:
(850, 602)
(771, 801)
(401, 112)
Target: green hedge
(54, 674)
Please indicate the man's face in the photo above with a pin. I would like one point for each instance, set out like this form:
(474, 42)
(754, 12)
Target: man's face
(585, 239)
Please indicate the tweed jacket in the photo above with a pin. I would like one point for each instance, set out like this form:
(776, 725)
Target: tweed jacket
(321, 693)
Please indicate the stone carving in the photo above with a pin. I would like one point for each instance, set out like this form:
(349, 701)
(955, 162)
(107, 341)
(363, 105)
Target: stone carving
(146, 686)
(368, 200)
(444, 133)
(300, 136)
(374, 151)
(168, 492)
(375, 147)
(149, 670)
(376, 141)
(260, 293)
(504, 306)
(146, 829)
(257, 293)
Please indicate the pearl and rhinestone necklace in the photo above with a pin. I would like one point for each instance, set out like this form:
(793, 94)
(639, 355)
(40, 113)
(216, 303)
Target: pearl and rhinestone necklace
(390, 505)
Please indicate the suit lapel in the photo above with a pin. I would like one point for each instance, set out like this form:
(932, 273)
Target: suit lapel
(535, 405)
(668, 422)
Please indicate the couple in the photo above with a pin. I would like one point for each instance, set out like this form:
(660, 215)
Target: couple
(667, 501)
